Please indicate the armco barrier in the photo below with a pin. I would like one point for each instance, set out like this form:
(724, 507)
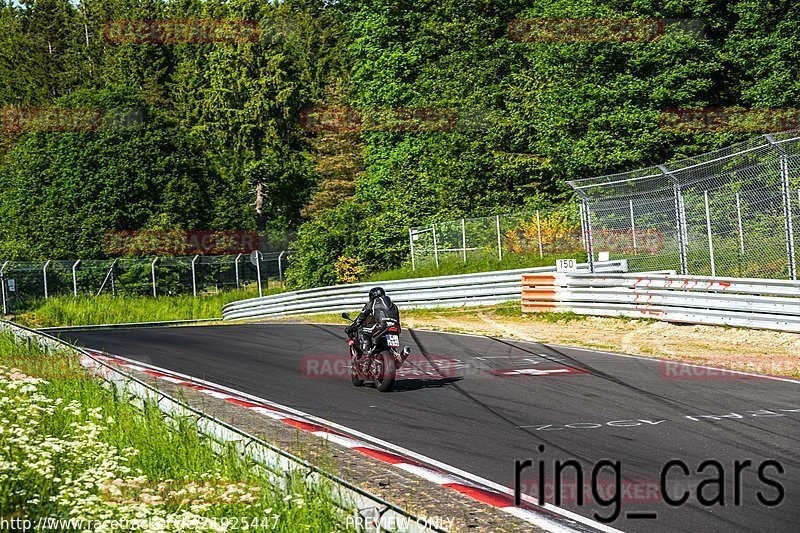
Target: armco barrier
(443, 291)
(753, 303)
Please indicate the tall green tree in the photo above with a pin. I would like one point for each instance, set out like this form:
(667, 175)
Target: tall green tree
(62, 192)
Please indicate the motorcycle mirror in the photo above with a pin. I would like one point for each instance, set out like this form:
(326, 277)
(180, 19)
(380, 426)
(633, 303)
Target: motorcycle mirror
(345, 316)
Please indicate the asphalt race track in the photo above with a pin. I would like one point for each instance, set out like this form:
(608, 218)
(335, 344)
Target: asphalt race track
(480, 404)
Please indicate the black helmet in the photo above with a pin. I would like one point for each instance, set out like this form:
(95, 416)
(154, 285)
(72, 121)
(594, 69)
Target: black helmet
(376, 292)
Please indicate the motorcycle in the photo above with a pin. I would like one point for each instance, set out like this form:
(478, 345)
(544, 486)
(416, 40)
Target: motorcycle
(381, 363)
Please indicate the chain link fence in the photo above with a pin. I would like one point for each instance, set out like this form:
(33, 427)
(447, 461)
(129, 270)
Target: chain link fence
(533, 234)
(733, 212)
(24, 282)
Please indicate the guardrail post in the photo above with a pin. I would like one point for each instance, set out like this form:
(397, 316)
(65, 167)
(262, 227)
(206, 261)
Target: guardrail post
(787, 205)
(633, 228)
(435, 246)
(194, 279)
(75, 279)
(739, 217)
(3, 287)
(280, 267)
(411, 242)
(539, 233)
(464, 239)
(44, 275)
(499, 242)
(710, 237)
(153, 272)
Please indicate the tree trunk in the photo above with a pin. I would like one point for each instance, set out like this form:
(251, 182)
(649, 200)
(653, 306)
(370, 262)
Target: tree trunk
(261, 216)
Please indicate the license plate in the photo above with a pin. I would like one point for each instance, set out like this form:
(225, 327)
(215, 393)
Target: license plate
(393, 341)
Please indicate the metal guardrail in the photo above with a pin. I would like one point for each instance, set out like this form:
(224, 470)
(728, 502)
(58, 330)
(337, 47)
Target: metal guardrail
(274, 462)
(744, 302)
(442, 291)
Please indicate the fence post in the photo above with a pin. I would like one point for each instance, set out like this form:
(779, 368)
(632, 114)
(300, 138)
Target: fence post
(682, 248)
(583, 228)
(739, 217)
(680, 220)
(411, 242)
(44, 274)
(539, 233)
(110, 273)
(787, 205)
(113, 284)
(236, 269)
(3, 287)
(633, 228)
(710, 237)
(499, 242)
(789, 217)
(435, 246)
(589, 237)
(258, 273)
(280, 267)
(194, 279)
(75, 279)
(464, 239)
(153, 272)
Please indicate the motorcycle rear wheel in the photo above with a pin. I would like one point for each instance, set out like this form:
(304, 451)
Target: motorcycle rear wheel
(386, 372)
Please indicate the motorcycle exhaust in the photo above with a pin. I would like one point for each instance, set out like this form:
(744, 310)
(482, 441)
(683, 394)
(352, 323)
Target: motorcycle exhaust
(404, 353)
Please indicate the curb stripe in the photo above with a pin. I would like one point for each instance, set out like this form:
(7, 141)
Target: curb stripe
(482, 495)
(386, 457)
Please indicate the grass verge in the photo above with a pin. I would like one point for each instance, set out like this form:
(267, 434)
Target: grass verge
(73, 449)
(107, 309)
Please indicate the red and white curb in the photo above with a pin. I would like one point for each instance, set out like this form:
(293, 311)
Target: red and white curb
(546, 516)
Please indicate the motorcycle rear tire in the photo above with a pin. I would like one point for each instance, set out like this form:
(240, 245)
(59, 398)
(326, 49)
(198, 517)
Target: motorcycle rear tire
(387, 372)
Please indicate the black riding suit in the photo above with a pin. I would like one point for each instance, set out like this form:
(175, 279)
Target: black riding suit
(377, 315)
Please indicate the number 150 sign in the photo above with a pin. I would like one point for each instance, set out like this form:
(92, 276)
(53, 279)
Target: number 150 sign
(566, 265)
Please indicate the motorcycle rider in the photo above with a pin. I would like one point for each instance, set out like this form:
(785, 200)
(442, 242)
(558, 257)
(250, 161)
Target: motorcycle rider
(374, 318)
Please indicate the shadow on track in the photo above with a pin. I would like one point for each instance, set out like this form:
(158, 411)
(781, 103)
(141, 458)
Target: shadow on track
(411, 384)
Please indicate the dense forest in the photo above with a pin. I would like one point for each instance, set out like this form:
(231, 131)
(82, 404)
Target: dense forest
(227, 133)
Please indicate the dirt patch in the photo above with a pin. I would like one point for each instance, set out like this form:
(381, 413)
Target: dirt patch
(763, 352)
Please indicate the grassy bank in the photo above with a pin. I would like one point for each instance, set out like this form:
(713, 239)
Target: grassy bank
(107, 309)
(71, 448)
